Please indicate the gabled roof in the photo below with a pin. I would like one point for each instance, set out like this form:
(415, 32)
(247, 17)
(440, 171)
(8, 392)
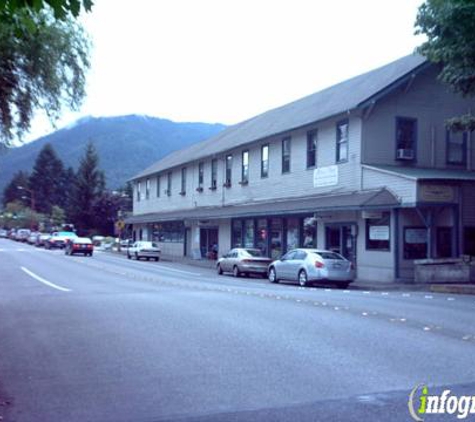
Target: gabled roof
(324, 104)
(369, 199)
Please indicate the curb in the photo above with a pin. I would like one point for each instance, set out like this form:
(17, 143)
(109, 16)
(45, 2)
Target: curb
(462, 289)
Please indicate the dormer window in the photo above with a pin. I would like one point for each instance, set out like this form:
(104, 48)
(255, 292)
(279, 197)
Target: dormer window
(406, 137)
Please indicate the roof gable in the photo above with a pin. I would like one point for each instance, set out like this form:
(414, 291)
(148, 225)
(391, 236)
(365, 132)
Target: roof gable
(329, 102)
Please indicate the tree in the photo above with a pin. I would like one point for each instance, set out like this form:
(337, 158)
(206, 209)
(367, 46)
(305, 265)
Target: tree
(88, 188)
(46, 180)
(450, 29)
(12, 193)
(61, 8)
(43, 62)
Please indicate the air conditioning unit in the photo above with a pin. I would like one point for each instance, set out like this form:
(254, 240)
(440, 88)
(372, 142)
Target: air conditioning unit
(405, 154)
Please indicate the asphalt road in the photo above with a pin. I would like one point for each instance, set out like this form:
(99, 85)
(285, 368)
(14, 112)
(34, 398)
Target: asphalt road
(106, 339)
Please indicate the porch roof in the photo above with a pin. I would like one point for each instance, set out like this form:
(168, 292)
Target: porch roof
(371, 199)
(422, 173)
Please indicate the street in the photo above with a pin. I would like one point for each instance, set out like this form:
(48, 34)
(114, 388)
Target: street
(109, 339)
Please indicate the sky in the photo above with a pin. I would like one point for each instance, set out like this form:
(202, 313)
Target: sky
(226, 60)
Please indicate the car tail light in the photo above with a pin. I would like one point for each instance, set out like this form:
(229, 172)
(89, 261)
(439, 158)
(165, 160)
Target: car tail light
(89, 246)
(319, 264)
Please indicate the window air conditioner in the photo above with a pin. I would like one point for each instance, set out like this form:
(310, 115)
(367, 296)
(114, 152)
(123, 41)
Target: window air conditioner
(405, 154)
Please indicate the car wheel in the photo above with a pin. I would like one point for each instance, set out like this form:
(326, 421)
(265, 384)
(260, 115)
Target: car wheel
(90, 254)
(157, 259)
(65, 252)
(128, 256)
(343, 285)
(148, 259)
(303, 279)
(236, 272)
(272, 276)
(137, 256)
(220, 270)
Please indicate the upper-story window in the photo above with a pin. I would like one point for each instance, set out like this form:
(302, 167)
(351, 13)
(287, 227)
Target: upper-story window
(201, 175)
(169, 183)
(214, 173)
(183, 181)
(158, 186)
(286, 155)
(456, 147)
(342, 138)
(147, 188)
(229, 170)
(312, 148)
(139, 189)
(265, 160)
(406, 138)
(245, 167)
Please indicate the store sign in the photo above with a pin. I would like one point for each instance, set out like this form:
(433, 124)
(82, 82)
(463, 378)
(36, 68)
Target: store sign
(325, 176)
(379, 233)
(372, 214)
(436, 193)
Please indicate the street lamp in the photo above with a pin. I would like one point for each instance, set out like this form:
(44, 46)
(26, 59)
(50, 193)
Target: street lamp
(32, 202)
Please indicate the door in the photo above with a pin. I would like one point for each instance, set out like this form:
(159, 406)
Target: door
(341, 238)
(209, 243)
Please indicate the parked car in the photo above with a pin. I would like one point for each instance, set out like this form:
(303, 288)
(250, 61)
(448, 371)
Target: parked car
(3, 234)
(42, 239)
(244, 261)
(22, 235)
(141, 249)
(307, 266)
(32, 238)
(59, 239)
(82, 245)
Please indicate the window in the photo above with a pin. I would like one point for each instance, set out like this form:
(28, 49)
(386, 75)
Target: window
(265, 160)
(309, 232)
(342, 134)
(378, 232)
(415, 242)
(285, 155)
(248, 233)
(214, 174)
(406, 135)
(262, 236)
(183, 181)
(158, 186)
(229, 170)
(139, 188)
(245, 168)
(147, 188)
(169, 232)
(293, 233)
(312, 149)
(169, 184)
(237, 234)
(201, 175)
(456, 147)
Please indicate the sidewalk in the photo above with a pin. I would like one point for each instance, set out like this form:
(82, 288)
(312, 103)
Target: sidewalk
(467, 289)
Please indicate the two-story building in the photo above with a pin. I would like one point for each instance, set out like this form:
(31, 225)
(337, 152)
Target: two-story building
(365, 167)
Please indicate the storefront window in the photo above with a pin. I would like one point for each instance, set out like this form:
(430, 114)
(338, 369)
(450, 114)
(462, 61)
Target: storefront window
(378, 232)
(309, 232)
(262, 235)
(292, 233)
(237, 234)
(249, 233)
(169, 232)
(276, 238)
(415, 242)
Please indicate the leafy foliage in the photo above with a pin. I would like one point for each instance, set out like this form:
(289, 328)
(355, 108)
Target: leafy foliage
(43, 62)
(61, 8)
(12, 193)
(450, 28)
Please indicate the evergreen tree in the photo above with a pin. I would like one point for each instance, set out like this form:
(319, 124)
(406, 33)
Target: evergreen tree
(12, 193)
(46, 180)
(88, 189)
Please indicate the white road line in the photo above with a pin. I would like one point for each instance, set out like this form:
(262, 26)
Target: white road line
(42, 280)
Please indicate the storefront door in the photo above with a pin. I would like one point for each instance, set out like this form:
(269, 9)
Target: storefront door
(209, 243)
(341, 238)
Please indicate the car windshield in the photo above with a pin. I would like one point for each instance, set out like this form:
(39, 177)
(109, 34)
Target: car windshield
(252, 252)
(66, 234)
(329, 255)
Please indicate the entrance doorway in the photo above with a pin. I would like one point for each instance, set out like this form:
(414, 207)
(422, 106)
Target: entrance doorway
(341, 238)
(209, 243)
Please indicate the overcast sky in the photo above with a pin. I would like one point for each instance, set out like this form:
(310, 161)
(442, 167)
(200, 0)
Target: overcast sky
(227, 60)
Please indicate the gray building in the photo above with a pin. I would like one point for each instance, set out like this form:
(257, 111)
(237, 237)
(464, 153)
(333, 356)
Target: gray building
(365, 167)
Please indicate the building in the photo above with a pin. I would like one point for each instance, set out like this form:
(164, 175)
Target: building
(365, 167)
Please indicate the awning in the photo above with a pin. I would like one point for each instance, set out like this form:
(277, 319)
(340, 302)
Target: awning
(373, 199)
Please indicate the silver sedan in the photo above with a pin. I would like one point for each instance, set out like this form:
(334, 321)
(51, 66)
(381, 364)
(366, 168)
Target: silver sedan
(143, 249)
(243, 261)
(307, 266)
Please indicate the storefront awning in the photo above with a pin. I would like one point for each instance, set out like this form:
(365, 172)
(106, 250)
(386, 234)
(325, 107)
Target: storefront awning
(373, 199)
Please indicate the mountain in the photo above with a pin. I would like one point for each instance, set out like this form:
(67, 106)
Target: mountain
(125, 145)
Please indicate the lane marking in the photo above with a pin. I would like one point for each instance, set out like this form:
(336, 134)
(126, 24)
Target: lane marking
(42, 280)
